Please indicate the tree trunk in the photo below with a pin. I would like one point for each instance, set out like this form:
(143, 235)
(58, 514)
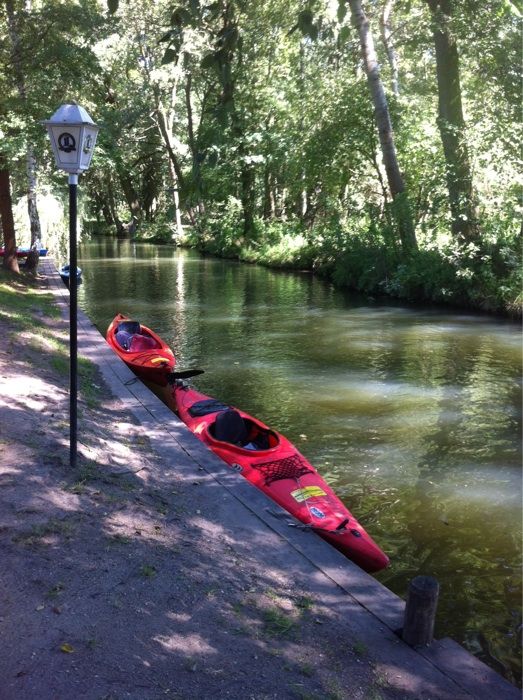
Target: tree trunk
(130, 194)
(176, 202)
(9, 261)
(386, 136)
(16, 60)
(197, 158)
(388, 43)
(451, 124)
(32, 209)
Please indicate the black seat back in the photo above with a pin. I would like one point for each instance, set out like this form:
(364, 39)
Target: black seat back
(131, 327)
(230, 427)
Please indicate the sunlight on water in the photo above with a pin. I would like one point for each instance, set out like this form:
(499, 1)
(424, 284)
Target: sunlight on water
(412, 414)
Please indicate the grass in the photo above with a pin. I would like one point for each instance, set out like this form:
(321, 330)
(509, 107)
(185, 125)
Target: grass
(119, 539)
(21, 297)
(23, 304)
(360, 649)
(37, 533)
(148, 571)
(55, 591)
(277, 624)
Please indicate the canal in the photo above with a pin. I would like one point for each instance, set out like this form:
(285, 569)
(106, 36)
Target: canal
(412, 414)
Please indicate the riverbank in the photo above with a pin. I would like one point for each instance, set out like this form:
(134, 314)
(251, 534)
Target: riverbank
(154, 572)
(485, 277)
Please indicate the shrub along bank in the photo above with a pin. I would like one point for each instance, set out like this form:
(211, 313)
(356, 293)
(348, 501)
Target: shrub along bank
(486, 275)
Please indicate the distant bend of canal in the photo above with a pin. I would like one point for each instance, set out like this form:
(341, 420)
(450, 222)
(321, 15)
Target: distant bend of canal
(412, 414)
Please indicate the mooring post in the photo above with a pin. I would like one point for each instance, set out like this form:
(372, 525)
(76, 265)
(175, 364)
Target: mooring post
(420, 611)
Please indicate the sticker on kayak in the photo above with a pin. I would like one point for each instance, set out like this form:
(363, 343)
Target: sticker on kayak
(307, 492)
(317, 512)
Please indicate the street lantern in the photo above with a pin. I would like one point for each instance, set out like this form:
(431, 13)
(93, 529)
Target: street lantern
(73, 137)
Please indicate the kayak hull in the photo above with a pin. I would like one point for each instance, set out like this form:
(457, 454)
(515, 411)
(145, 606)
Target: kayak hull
(284, 475)
(24, 252)
(147, 355)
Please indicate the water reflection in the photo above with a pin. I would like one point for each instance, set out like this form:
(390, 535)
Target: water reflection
(414, 415)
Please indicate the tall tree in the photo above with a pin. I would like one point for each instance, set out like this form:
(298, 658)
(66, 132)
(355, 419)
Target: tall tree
(386, 135)
(451, 123)
(388, 42)
(18, 72)
(9, 261)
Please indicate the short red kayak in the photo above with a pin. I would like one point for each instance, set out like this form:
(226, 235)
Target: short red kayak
(271, 463)
(24, 252)
(141, 349)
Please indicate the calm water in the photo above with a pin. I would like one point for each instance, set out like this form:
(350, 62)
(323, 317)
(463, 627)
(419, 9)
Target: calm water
(414, 415)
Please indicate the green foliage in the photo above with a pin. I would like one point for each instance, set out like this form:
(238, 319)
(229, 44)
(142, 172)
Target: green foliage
(258, 116)
(156, 232)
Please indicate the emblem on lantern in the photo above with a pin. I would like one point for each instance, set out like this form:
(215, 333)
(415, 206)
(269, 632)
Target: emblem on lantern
(66, 142)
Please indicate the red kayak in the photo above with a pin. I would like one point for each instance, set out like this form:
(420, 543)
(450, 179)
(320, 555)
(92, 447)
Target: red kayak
(271, 463)
(24, 252)
(141, 349)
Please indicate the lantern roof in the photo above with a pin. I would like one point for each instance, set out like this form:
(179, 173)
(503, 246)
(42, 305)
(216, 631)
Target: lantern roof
(70, 114)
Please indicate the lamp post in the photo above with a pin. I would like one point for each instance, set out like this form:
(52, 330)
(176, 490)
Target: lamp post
(73, 137)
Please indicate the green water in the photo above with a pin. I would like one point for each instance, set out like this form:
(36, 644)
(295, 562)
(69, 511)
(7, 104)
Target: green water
(412, 414)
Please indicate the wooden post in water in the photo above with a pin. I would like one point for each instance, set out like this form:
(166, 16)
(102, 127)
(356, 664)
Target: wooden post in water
(420, 611)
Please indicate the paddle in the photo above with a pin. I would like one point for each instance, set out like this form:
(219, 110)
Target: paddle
(184, 374)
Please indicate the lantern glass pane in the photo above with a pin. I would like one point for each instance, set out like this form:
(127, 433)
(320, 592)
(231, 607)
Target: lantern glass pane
(88, 143)
(66, 139)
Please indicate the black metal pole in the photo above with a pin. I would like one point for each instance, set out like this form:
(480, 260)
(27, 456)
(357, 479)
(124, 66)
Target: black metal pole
(73, 325)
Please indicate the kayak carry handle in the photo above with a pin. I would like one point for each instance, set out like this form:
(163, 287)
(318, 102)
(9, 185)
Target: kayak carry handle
(184, 374)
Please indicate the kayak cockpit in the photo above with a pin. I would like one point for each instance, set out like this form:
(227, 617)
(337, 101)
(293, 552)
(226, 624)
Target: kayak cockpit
(131, 337)
(231, 427)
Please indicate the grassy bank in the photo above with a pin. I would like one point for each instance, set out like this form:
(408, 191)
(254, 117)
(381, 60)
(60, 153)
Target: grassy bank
(485, 276)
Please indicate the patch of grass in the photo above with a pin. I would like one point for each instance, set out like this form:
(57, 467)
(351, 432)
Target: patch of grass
(360, 649)
(334, 690)
(374, 694)
(273, 595)
(78, 488)
(306, 669)
(21, 298)
(304, 602)
(237, 607)
(55, 591)
(60, 364)
(276, 623)
(148, 571)
(36, 533)
(119, 539)
(90, 471)
(90, 390)
(301, 693)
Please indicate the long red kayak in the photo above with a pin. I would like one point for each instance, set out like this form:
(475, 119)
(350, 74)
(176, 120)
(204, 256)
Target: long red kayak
(149, 357)
(272, 463)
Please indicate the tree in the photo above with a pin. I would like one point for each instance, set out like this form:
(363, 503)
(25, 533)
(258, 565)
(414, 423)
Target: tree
(18, 72)
(9, 261)
(385, 131)
(451, 123)
(388, 43)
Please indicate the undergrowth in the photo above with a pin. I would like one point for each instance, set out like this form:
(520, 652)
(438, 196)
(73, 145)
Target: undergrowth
(485, 275)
